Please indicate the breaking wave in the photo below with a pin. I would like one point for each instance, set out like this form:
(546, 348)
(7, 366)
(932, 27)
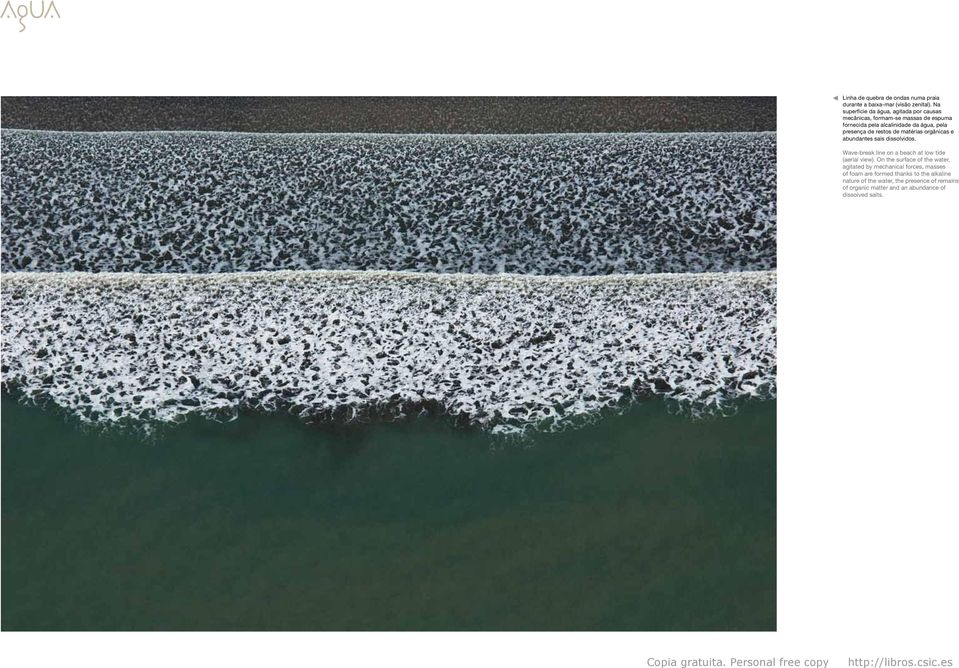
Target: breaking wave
(513, 282)
(506, 353)
(579, 204)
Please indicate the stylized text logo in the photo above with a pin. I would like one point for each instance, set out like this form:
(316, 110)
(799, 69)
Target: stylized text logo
(24, 11)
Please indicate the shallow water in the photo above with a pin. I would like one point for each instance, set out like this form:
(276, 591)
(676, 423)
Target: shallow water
(641, 521)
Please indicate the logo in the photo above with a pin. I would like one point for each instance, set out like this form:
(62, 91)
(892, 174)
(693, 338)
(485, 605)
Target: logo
(35, 9)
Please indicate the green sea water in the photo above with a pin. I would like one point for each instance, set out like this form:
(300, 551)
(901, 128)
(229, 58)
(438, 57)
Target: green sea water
(642, 521)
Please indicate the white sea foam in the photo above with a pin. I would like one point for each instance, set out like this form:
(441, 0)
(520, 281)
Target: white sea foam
(507, 353)
(577, 204)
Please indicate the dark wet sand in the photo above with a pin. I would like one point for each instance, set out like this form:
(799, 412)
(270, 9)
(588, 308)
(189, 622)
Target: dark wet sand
(393, 114)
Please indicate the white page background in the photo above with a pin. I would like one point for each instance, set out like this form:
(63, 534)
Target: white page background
(868, 344)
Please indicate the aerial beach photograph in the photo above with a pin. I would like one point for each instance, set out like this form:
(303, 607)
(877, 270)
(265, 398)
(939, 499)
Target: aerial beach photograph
(388, 363)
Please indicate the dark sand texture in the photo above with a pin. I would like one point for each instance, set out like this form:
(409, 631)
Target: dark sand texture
(493, 115)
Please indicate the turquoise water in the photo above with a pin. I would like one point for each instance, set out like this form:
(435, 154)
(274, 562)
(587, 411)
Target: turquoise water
(641, 521)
